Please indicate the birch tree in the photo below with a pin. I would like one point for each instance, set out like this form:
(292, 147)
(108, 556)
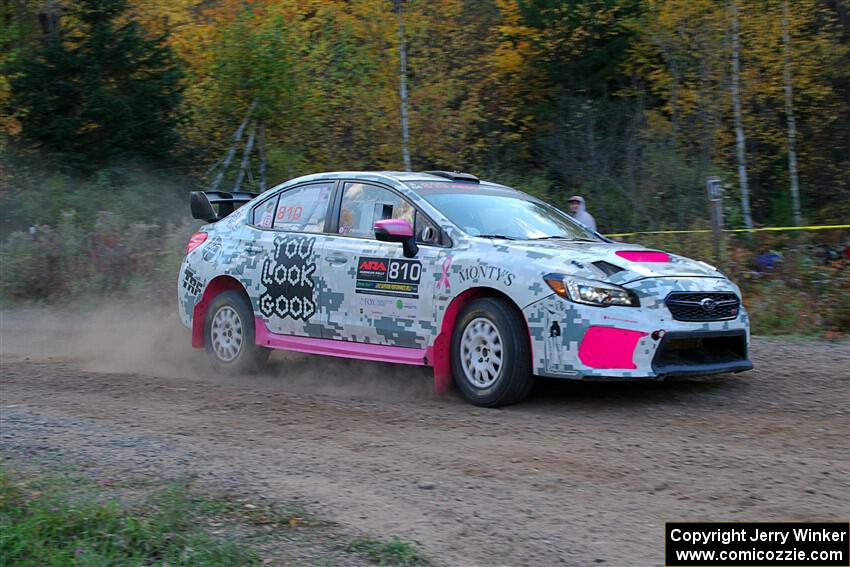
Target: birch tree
(789, 113)
(740, 140)
(402, 85)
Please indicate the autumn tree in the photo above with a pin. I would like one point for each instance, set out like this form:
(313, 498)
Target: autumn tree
(95, 89)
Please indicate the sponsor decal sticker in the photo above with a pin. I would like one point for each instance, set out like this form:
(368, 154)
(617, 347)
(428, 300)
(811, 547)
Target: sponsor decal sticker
(382, 306)
(212, 250)
(485, 272)
(388, 276)
(191, 283)
(444, 276)
(288, 278)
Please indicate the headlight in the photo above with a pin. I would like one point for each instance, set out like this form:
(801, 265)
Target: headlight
(591, 292)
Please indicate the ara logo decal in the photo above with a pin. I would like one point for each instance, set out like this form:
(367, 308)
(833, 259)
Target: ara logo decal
(373, 266)
(372, 269)
(288, 278)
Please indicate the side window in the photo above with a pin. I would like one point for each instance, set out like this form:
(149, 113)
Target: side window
(363, 204)
(264, 213)
(426, 232)
(303, 209)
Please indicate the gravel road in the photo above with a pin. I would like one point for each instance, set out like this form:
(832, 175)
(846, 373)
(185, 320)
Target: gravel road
(579, 474)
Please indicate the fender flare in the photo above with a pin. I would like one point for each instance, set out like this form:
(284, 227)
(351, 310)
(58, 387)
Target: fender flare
(440, 353)
(216, 286)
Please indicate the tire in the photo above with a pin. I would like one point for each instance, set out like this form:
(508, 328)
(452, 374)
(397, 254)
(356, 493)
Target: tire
(493, 332)
(229, 335)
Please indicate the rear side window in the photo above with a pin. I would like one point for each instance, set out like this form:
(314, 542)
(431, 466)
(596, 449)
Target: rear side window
(303, 209)
(264, 213)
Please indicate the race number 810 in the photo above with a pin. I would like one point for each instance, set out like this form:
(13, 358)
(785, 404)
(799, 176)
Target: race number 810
(404, 271)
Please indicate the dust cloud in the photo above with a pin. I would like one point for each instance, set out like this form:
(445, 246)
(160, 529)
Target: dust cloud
(120, 337)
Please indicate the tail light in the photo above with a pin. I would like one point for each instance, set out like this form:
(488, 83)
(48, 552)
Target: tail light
(196, 240)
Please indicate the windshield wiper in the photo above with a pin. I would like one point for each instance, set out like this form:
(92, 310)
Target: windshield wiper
(505, 237)
(570, 238)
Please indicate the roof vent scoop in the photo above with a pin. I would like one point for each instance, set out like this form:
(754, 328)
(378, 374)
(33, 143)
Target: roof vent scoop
(455, 176)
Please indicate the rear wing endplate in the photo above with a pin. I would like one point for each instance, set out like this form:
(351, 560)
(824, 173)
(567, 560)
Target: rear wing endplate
(201, 203)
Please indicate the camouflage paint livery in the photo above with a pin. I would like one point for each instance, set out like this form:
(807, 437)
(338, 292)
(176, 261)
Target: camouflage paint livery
(297, 292)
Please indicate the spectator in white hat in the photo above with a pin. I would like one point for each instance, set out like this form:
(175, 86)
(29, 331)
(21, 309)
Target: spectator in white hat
(579, 212)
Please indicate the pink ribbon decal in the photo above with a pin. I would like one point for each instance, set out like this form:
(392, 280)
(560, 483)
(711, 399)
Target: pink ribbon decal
(444, 278)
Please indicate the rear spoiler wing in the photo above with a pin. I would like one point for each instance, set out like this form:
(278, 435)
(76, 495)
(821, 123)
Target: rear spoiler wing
(201, 203)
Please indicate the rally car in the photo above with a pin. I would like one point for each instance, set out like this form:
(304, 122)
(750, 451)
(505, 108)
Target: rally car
(486, 284)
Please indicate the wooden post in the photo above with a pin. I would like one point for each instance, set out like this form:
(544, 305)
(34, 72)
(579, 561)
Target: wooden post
(237, 136)
(246, 157)
(261, 149)
(715, 203)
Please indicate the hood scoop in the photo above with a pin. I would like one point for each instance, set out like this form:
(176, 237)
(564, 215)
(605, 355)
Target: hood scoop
(607, 268)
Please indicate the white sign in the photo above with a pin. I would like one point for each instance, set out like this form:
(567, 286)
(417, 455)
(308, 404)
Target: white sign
(715, 189)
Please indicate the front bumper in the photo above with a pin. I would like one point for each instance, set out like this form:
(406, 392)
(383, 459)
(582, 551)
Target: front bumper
(701, 353)
(575, 341)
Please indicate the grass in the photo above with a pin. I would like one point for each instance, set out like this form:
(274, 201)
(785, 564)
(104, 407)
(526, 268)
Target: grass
(392, 552)
(50, 522)
(63, 519)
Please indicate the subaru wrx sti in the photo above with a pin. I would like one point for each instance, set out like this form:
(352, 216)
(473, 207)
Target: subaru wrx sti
(486, 284)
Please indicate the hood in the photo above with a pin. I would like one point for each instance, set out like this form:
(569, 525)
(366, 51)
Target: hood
(613, 262)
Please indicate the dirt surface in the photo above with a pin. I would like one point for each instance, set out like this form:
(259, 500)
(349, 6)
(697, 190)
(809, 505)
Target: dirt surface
(579, 474)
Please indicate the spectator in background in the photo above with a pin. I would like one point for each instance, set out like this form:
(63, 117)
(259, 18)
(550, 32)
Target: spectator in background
(579, 212)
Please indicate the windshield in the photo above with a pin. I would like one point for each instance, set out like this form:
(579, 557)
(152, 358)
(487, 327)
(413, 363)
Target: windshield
(506, 216)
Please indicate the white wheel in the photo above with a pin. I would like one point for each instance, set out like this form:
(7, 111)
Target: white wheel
(226, 333)
(481, 353)
(229, 335)
(491, 353)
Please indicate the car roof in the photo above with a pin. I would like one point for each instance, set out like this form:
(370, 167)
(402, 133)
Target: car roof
(411, 179)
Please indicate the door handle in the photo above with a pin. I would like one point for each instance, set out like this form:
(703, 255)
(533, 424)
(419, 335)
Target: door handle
(336, 259)
(252, 250)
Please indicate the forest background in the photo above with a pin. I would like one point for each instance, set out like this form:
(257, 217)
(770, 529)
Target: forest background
(111, 111)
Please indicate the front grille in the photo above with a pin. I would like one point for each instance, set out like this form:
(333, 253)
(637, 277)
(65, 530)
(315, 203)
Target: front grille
(703, 306)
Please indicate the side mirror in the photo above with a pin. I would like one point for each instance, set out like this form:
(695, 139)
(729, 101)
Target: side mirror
(397, 230)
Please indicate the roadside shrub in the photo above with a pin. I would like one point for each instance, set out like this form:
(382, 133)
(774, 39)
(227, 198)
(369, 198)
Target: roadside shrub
(793, 283)
(68, 261)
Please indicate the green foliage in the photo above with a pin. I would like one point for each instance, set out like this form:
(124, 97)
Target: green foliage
(71, 259)
(46, 524)
(802, 294)
(96, 90)
(393, 552)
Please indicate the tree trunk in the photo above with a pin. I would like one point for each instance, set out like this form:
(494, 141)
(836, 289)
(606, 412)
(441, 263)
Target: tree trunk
(402, 52)
(261, 150)
(246, 157)
(740, 140)
(237, 136)
(789, 113)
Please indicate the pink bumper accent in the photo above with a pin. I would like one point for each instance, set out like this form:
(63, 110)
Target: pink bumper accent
(643, 255)
(330, 347)
(609, 347)
(396, 227)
